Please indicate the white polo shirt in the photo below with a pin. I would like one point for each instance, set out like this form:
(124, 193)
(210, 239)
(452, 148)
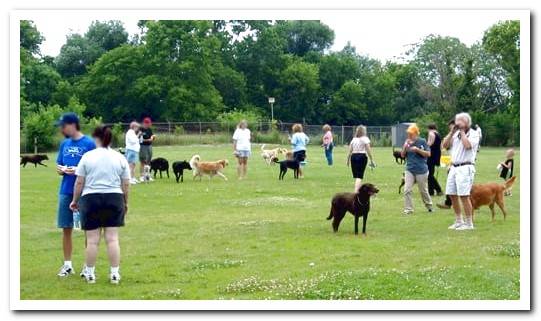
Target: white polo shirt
(242, 137)
(459, 154)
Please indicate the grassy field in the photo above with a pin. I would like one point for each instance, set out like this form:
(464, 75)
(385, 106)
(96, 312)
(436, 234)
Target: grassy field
(263, 238)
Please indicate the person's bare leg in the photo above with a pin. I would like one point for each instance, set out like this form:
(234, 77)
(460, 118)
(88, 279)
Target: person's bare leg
(456, 208)
(67, 243)
(468, 210)
(92, 243)
(132, 170)
(245, 167)
(357, 186)
(113, 246)
(239, 168)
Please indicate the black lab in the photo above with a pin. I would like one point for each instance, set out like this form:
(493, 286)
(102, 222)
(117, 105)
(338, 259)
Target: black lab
(35, 159)
(159, 164)
(285, 164)
(398, 156)
(357, 204)
(178, 169)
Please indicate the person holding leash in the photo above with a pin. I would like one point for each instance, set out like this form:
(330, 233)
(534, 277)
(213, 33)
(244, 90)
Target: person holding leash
(70, 153)
(463, 142)
(416, 152)
(147, 137)
(101, 195)
(299, 140)
(359, 153)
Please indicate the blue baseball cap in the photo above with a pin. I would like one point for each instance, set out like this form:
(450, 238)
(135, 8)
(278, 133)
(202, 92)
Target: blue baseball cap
(67, 118)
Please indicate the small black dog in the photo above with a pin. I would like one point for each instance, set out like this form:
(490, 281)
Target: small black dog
(285, 164)
(35, 159)
(178, 169)
(357, 204)
(159, 164)
(398, 156)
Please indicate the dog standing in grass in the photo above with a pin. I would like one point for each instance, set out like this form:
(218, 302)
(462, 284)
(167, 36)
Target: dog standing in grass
(357, 204)
(210, 169)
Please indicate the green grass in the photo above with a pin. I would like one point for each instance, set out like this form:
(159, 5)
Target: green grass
(263, 238)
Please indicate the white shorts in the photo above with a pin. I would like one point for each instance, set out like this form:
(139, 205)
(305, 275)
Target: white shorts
(460, 180)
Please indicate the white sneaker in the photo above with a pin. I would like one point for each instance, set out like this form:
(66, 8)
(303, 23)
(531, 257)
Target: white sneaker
(142, 179)
(455, 225)
(65, 270)
(133, 181)
(114, 278)
(465, 227)
(150, 179)
(407, 212)
(89, 277)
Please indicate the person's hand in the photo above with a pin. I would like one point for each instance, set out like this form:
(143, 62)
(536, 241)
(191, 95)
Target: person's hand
(60, 169)
(70, 170)
(125, 209)
(153, 137)
(347, 163)
(74, 206)
(414, 149)
(372, 164)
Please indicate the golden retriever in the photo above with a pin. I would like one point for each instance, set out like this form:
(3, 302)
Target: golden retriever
(210, 169)
(269, 154)
(490, 194)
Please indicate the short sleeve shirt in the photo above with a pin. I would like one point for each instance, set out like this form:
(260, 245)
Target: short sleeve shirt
(103, 170)
(299, 141)
(146, 133)
(242, 137)
(358, 144)
(459, 153)
(70, 153)
(415, 163)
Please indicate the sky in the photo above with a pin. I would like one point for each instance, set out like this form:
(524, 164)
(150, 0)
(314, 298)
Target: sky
(381, 35)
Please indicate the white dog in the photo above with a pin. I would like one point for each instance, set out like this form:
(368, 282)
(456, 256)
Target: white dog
(269, 154)
(146, 173)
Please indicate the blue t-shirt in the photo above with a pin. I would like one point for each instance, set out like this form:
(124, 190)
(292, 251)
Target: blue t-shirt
(416, 164)
(70, 154)
(299, 141)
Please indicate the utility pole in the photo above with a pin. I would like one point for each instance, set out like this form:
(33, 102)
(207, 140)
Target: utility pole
(271, 102)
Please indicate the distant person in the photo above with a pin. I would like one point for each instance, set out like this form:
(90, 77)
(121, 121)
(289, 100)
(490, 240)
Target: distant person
(328, 143)
(71, 150)
(358, 155)
(447, 203)
(146, 139)
(299, 140)
(462, 142)
(434, 142)
(101, 196)
(242, 147)
(480, 133)
(416, 152)
(132, 149)
(506, 168)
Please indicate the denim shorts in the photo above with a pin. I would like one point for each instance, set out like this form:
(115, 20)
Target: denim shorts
(64, 215)
(132, 156)
(243, 153)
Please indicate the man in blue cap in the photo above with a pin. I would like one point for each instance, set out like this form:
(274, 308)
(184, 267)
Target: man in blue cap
(71, 150)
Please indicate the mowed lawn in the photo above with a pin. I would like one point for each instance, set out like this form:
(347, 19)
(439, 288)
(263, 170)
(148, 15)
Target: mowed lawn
(267, 239)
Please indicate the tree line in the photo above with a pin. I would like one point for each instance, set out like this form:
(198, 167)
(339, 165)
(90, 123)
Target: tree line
(199, 70)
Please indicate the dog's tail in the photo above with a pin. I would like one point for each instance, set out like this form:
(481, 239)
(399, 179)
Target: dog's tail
(194, 160)
(263, 147)
(508, 183)
(275, 159)
(330, 215)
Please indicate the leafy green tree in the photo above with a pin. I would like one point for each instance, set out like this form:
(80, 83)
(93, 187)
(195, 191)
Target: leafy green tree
(347, 105)
(39, 82)
(303, 36)
(30, 37)
(298, 93)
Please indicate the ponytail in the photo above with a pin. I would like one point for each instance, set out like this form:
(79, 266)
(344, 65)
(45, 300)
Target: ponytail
(104, 134)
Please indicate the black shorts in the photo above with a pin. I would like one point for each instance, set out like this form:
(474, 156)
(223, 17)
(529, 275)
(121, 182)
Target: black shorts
(101, 210)
(358, 164)
(299, 156)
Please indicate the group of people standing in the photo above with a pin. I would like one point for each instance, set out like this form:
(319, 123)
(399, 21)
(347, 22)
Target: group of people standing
(139, 141)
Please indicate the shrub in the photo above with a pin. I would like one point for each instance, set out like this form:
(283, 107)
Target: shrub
(232, 118)
(38, 125)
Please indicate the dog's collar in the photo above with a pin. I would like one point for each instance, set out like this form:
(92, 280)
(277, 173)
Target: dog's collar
(359, 201)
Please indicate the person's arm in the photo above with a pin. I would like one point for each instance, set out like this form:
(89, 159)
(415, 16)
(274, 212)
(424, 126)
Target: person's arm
(125, 186)
(350, 151)
(77, 190)
(431, 138)
(424, 153)
(404, 150)
(369, 153)
(235, 137)
(465, 140)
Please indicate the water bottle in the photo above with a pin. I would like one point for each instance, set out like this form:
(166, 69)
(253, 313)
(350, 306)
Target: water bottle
(76, 220)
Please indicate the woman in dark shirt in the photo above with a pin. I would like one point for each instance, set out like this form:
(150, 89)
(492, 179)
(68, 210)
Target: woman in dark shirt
(434, 141)
(506, 171)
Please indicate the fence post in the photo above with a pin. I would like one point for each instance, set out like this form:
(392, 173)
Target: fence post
(200, 137)
(342, 135)
(35, 145)
(169, 126)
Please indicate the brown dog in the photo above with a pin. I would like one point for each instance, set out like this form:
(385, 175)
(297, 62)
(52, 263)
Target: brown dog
(200, 168)
(35, 159)
(490, 194)
(357, 204)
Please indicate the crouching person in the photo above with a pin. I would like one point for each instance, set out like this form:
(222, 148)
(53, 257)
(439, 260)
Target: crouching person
(101, 196)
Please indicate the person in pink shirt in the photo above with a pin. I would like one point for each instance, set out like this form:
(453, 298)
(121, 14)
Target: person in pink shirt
(328, 143)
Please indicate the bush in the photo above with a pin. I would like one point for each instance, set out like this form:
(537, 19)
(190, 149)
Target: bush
(39, 126)
(232, 118)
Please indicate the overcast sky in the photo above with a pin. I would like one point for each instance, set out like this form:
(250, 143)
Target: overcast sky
(382, 36)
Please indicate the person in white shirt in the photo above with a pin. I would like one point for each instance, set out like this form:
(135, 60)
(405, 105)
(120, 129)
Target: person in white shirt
(132, 148)
(358, 155)
(242, 147)
(462, 142)
(101, 197)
